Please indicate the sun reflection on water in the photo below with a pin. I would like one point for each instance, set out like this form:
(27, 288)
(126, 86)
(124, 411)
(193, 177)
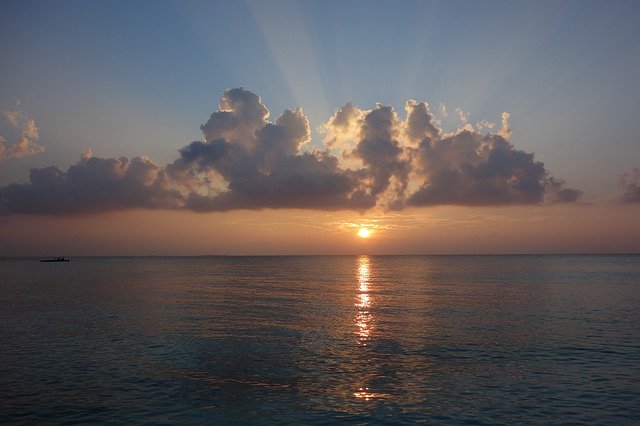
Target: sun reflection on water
(366, 394)
(364, 328)
(363, 320)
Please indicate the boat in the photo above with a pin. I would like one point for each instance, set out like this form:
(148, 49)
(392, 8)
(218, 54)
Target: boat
(57, 259)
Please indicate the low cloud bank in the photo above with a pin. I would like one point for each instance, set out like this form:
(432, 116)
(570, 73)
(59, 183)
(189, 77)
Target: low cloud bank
(245, 161)
(92, 185)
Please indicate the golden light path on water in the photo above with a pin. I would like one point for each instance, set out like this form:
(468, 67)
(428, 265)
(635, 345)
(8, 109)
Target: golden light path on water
(364, 318)
(363, 301)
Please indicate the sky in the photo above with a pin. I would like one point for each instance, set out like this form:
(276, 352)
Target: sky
(282, 127)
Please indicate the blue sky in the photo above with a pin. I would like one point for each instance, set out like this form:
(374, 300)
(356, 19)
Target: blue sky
(132, 78)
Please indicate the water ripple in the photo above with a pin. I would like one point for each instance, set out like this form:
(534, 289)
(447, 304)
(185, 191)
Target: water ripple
(321, 340)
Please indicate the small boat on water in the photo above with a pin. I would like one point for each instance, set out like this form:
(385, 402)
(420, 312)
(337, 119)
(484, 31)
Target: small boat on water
(55, 259)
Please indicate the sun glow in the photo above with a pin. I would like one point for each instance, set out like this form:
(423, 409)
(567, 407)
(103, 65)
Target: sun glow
(364, 233)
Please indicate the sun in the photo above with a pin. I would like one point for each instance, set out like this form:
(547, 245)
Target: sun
(364, 233)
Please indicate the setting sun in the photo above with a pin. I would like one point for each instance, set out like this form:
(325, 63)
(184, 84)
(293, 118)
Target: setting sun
(364, 233)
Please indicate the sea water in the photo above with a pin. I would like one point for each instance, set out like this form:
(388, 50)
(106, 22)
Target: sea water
(321, 339)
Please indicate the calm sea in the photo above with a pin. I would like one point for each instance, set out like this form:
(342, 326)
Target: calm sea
(321, 339)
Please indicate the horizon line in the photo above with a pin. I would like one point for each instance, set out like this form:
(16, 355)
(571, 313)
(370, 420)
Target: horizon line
(324, 255)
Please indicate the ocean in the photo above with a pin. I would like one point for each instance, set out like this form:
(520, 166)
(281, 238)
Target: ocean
(321, 339)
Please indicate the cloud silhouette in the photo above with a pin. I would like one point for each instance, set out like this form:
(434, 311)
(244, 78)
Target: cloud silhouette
(467, 168)
(92, 185)
(629, 184)
(420, 122)
(18, 135)
(245, 161)
(381, 152)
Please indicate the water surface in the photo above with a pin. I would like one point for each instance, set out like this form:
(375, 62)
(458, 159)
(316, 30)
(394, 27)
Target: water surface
(320, 339)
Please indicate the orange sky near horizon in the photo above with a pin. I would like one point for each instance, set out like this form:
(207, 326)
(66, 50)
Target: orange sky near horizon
(437, 230)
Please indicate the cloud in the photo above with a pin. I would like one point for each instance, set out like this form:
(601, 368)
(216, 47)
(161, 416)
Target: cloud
(342, 129)
(462, 116)
(467, 168)
(382, 154)
(505, 132)
(309, 180)
(629, 184)
(241, 114)
(18, 135)
(420, 121)
(91, 185)
(251, 163)
(443, 110)
(246, 161)
(411, 162)
(485, 125)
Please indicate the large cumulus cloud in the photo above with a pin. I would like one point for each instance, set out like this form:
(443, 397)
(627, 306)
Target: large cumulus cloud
(430, 167)
(247, 161)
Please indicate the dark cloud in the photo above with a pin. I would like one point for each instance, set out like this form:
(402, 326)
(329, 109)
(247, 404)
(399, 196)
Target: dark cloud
(467, 168)
(557, 193)
(381, 153)
(310, 180)
(246, 161)
(420, 122)
(91, 185)
(629, 184)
